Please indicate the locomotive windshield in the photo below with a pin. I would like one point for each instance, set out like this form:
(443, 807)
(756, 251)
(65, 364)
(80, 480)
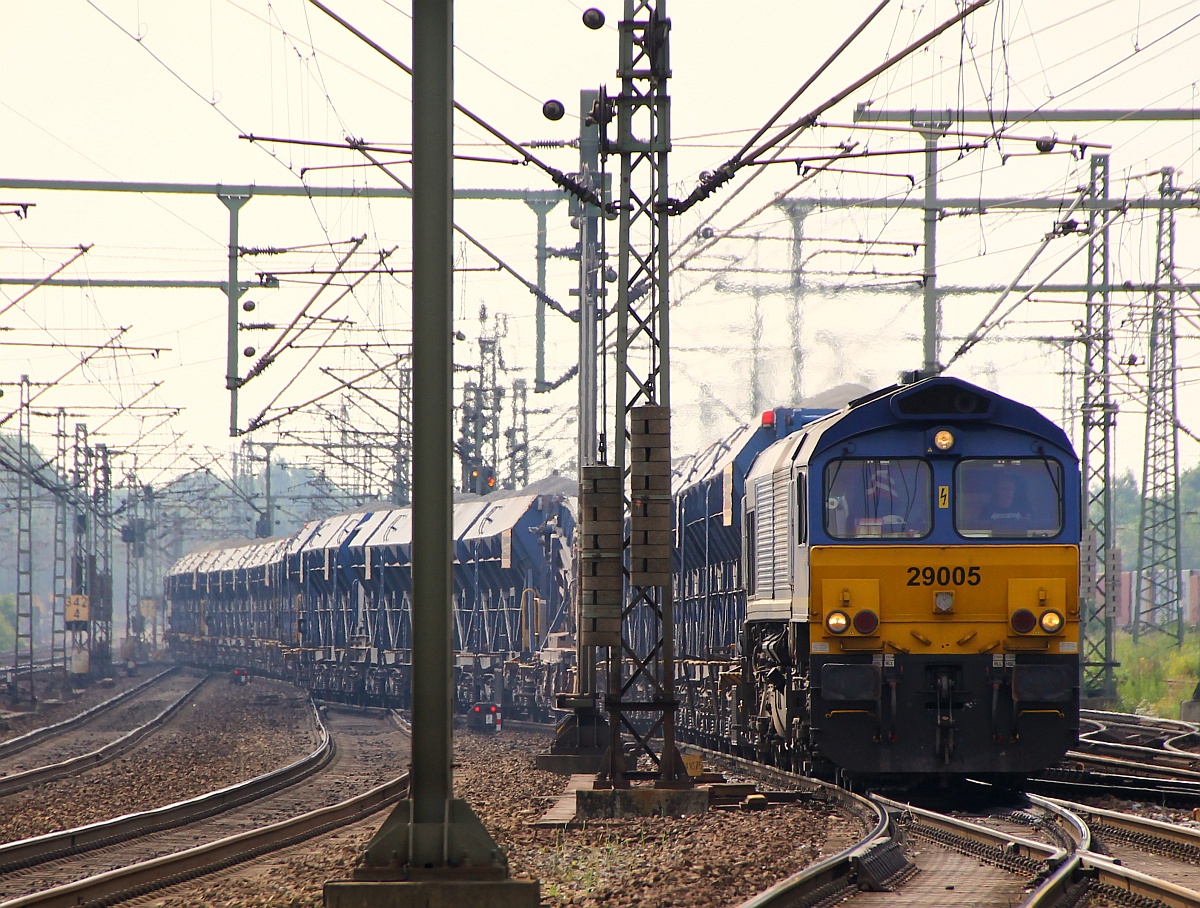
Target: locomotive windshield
(867, 497)
(1009, 498)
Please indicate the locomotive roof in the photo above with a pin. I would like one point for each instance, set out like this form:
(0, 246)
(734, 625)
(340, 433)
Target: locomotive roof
(933, 400)
(928, 402)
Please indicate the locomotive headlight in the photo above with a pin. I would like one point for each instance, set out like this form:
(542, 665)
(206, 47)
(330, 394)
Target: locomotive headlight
(1051, 622)
(837, 622)
(943, 439)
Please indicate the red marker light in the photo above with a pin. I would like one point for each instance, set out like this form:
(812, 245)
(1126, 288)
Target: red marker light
(1023, 621)
(768, 418)
(477, 709)
(493, 709)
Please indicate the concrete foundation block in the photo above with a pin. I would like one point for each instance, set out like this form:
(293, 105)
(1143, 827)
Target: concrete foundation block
(569, 764)
(433, 894)
(614, 803)
(1189, 710)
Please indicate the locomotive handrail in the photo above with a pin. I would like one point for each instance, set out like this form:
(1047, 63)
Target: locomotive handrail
(110, 751)
(172, 869)
(54, 845)
(29, 739)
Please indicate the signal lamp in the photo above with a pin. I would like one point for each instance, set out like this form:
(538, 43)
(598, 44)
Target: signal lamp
(768, 418)
(837, 622)
(493, 709)
(1051, 622)
(1023, 621)
(943, 440)
(866, 622)
(477, 709)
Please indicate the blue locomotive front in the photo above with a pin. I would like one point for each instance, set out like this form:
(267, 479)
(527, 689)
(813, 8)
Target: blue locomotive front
(911, 568)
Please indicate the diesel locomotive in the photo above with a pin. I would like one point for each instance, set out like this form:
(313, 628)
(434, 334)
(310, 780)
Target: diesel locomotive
(909, 568)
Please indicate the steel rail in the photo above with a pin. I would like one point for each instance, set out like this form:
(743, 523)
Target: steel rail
(1169, 773)
(29, 739)
(873, 862)
(55, 845)
(1169, 790)
(1002, 848)
(169, 870)
(1174, 731)
(1135, 825)
(1086, 869)
(1115, 718)
(1103, 872)
(75, 765)
(1139, 753)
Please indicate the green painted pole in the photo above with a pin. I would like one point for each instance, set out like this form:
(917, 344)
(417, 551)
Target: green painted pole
(433, 255)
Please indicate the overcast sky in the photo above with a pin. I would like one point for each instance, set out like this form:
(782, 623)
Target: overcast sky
(160, 91)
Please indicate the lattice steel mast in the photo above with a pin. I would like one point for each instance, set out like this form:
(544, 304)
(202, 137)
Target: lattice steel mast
(62, 508)
(23, 637)
(1157, 604)
(83, 564)
(642, 437)
(1099, 585)
(100, 641)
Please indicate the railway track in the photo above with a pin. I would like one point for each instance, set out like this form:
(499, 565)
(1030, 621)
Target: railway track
(95, 737)
(159, 848)
(16, 745)
(1044, 852)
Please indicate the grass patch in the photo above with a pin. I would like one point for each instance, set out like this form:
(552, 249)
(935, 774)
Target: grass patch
(1156, 674)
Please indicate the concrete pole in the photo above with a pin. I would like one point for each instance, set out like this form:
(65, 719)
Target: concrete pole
(933, 321)
(232, 294)
(591, 278)
(433, 324)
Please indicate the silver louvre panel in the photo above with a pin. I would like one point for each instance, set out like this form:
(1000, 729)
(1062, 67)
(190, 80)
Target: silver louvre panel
(764, 526)
(780, 551)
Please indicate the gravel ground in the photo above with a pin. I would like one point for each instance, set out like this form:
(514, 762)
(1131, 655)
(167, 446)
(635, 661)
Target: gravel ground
(48, 712)
(1177, 815)
(720, 858)
(228, 733)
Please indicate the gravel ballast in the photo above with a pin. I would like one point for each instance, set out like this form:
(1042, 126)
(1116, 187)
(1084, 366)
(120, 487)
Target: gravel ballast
(228, 733)
(720, 858)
